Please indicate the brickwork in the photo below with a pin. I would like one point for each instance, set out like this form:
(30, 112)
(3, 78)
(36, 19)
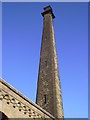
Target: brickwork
(49, 90)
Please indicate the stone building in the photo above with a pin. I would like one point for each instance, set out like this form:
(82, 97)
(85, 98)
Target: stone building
(48, 100)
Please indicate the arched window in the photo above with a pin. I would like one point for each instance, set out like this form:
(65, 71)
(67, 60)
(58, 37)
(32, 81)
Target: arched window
(3, 116)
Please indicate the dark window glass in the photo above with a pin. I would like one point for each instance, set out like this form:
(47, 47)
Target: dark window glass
(3, 116)
(45, 99)
(46, 63)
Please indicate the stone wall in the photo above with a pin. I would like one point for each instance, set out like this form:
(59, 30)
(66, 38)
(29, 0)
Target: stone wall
(14, 105)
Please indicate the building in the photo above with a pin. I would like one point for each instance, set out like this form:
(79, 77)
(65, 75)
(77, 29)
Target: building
(49, 100)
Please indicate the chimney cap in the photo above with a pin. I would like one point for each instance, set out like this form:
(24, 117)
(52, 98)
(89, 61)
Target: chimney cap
(47, 7)
(47, 10)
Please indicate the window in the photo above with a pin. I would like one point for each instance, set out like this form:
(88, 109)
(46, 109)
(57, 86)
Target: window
(4, 117)
(45, 63)
(45, 99)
